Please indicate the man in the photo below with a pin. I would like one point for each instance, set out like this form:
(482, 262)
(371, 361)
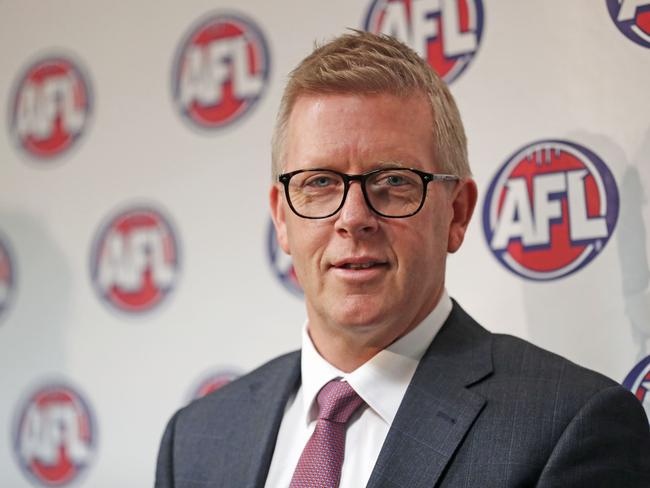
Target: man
(396, 385)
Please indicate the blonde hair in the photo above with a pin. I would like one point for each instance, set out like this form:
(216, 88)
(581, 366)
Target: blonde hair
(363, 63)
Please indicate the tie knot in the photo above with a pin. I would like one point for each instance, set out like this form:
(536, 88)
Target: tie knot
(337, 401)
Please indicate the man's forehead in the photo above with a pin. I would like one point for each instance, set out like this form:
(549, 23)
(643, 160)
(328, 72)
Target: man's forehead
(379, 129)
(347, 102)
(365, 94)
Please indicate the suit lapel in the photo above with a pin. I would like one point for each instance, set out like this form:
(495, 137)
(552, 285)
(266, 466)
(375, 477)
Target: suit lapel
(254, 427)
(438, 409)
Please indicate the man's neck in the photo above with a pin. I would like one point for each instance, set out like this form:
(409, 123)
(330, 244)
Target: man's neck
(342, 352)
(348, 346)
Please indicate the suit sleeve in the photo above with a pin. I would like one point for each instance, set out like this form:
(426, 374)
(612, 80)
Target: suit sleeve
(607, 444)
(165, 464)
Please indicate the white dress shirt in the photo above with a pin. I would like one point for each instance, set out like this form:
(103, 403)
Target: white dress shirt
(381, 382)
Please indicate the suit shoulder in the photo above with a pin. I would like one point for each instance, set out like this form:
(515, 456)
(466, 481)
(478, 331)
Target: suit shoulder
(521, 360)
(280, 370)
(268, 371)
(516, 361)
(555, 394)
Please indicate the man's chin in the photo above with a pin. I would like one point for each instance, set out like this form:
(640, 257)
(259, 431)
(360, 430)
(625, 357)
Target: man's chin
(358, 312)
(361, 313)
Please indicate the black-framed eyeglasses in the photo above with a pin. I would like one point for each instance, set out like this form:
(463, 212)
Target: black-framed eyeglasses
(389, 192)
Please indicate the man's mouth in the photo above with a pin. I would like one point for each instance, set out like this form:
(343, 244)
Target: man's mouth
(360, 265)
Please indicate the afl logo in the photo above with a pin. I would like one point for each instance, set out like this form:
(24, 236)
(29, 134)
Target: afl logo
(50, 108)
(212, 382)
(632, 17)
(282, 265)
(55, 435)
(135, 260)
(638, 382)
(220, 71)
(7, 276)
(550, 210)
(446, 33)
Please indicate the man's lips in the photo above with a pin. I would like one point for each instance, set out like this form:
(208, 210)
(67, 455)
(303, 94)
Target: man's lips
(360, 270)
(359, 263)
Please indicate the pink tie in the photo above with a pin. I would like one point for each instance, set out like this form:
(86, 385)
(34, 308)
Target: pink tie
(320, 463)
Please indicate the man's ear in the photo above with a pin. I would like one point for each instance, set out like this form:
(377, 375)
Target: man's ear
(463, 202)
(278, 214)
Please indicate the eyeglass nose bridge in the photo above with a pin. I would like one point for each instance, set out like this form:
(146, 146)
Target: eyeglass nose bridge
(361, 179)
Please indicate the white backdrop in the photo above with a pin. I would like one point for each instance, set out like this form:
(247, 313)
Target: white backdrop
(100, 344)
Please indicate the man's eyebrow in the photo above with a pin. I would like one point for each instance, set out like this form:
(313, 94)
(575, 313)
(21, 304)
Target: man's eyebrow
(393, 163)
(382, 163)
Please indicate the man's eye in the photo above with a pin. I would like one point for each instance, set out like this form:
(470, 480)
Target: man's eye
(321, 181)
(395, 180)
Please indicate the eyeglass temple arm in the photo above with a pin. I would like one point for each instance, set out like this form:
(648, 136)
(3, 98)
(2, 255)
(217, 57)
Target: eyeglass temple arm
(436, 177)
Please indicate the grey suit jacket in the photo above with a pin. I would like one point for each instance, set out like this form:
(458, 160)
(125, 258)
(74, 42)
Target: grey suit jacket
(482, 410)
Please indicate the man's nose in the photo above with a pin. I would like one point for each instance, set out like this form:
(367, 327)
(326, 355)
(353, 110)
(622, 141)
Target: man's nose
(355, 217)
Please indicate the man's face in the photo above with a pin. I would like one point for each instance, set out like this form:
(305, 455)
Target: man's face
(365, 275)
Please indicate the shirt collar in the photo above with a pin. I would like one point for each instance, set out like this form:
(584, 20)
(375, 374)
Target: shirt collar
(381, 381)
